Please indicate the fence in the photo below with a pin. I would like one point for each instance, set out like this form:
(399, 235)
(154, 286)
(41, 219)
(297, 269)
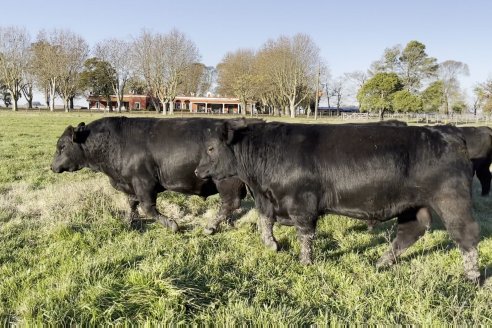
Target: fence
(422, 118)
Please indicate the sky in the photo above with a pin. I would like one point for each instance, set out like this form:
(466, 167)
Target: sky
(350, 34)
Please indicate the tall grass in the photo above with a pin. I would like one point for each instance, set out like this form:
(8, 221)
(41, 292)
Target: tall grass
(66, 256)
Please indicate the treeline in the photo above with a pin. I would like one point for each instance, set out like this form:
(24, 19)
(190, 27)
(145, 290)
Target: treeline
(282, 76)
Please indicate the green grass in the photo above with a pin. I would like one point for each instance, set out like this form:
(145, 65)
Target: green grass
(67, 257)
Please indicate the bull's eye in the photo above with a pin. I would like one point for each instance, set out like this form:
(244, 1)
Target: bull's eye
(210, 149)
(62, 147)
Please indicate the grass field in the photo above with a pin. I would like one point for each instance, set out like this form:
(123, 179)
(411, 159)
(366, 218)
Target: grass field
(66, 257)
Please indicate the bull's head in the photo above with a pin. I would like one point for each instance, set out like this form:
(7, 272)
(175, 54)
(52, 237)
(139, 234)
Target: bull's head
(69, 155)
(220, 162)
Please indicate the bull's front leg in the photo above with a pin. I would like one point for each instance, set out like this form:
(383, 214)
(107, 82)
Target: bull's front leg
(147, 196)
(132, 215)
(265, 227)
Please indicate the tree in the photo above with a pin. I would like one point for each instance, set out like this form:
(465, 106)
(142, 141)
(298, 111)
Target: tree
(58, 58)
(377, 93)
(117, 53)
(433, 97)
(14, 58)
(448, 74)
(483, 92)
(337, 89)
(293, 65)
(198, 80)
(405, 101)
(45, 68)
(162, 61)
(416, 66)
(98, 77)
(236, 76)
(136, 86)
(412, 64)
(357, 80)
(74, 52)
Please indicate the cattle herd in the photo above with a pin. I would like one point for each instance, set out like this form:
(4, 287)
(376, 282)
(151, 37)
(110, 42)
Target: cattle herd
(295, 172)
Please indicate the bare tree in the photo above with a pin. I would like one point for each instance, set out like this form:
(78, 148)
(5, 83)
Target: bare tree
(448, 72)
(28, 86)
(14, 58)
(236, 76)
(337, 91)
(58, 58)
(74, 52)
(198, 80)
(118, 54)
(355, 81)
(294, 67)
(163, 61)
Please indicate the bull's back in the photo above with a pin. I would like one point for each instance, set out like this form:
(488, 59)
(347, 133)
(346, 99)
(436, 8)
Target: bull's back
(363, 171)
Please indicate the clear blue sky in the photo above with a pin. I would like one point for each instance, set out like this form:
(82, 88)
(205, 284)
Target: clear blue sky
(351, 34)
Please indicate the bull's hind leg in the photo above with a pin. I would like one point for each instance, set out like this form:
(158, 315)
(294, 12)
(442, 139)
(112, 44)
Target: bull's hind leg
(484, 176)
(455, 212)
(265, 225)
(306, 228)
(412, 224)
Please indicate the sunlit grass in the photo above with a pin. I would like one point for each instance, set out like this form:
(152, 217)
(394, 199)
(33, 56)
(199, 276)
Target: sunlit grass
(67, 257)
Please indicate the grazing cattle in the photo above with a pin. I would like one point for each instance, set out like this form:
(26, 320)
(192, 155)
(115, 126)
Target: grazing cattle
(299, 172)
(145, 156)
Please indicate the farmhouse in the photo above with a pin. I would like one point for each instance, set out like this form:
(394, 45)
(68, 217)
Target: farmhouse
(220, 105)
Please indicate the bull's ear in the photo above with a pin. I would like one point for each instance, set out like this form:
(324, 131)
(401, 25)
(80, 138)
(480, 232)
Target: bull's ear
(233, 129)
(80, 133)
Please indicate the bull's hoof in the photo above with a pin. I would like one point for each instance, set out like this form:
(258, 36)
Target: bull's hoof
(173, 226)
(305, 260)
(209, 231)
(271, 245)
(385, 261)
(473, 276)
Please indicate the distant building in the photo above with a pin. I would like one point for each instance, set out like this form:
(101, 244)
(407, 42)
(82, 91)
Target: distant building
(184, 103)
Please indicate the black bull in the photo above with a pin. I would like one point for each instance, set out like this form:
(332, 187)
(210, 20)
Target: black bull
(145, 156)
(479, 145)
(298, 172)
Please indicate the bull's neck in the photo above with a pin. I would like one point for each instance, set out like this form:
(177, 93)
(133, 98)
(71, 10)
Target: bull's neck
(99, 153)
(255, 159)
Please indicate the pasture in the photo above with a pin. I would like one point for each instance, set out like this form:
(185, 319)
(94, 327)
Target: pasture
(67, 257)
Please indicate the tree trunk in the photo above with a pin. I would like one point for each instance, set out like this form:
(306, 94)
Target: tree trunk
(52, 95)
(164, 107)
(292, 109)
(171, 107)
(71, 102)
(119, 101)
(381, 114)
(109, 104)
(14, 101)
(47, 97)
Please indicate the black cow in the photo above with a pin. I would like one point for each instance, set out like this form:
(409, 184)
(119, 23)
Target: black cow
(145, 156)
(300, 172)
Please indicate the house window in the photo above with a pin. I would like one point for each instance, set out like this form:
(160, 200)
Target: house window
(137, 105)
